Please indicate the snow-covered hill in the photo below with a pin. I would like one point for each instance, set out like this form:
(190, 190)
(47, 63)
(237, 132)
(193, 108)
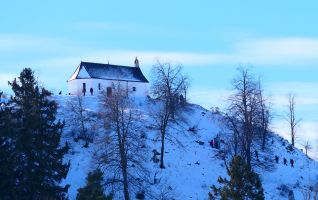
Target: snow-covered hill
(194, 167)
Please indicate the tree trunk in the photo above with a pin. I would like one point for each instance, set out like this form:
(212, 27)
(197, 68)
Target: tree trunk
(235, 141)
(162, 149)
(263, 140)
(263, 128)
(248, 154)
(126, 191)
(124, 170)
(123, 157)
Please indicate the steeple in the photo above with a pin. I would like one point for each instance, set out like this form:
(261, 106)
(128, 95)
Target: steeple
(136, 62)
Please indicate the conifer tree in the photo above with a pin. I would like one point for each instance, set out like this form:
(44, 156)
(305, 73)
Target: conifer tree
(7, 142)
(93, 189)
(39, 154)
(243, 183)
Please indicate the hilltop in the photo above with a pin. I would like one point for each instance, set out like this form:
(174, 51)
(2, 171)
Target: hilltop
(193, 166)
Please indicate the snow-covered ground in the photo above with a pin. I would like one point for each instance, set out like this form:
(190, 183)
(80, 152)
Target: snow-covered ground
(193, 168)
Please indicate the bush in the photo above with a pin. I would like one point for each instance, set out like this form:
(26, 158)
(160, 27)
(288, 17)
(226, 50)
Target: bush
(93, 189)
(140, 195)
(244, 183)
(290, 148)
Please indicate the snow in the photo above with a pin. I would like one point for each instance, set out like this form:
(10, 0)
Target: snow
(83, 73)
(192, 169)
(75, 74)
(81, 164)
(79, 74)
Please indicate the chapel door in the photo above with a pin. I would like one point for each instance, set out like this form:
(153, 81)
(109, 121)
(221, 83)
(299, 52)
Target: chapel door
(109, 91)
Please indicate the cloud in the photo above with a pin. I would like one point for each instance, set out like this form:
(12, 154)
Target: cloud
(284, 52)
(24, 44)
(278, 51)
(305, 131)
(209, 97)
(148, 57)
(18, 42)
(303, 92)
(261, 51)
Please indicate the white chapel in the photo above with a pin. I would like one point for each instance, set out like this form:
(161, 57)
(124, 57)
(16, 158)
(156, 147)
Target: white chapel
(92, 78)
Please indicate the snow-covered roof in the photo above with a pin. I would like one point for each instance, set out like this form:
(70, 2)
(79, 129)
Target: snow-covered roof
(108, 72)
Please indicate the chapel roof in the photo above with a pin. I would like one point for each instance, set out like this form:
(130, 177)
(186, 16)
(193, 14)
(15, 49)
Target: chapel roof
(108, 72)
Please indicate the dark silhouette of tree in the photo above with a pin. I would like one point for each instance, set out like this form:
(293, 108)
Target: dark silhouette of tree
(247, 115)
(38, 152)
(7, 154)
(243, 183)
(93, 190)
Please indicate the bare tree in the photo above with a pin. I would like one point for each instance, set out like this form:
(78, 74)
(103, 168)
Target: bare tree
(247, 114)
(307, 147)
(310, 192)
(185, 88)
(264, 116)
(167, 84)
(80, 119)
(291, 118)
(122, 148)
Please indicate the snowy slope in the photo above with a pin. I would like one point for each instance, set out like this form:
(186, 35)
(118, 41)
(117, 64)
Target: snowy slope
(193, 168)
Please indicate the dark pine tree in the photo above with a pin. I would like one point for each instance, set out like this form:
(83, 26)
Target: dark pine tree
(39, 154)
(93, 189)
(243, 183)
(7, 154)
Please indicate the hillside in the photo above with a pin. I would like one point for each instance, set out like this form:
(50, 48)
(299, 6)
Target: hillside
(191, 168)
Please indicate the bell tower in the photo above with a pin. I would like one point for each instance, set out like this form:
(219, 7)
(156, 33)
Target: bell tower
(136, 62)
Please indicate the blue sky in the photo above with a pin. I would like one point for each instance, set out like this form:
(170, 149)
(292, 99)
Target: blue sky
(209, 38)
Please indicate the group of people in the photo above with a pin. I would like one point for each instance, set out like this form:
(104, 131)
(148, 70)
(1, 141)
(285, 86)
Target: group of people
(291, 161)
(90, 90)
(215, 143)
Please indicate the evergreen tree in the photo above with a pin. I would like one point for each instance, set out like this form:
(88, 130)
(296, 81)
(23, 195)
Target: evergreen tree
(7, 154)
(93, 189)
(243, 184)
(39, 155)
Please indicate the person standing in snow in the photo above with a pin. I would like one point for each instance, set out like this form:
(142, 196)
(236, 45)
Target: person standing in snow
(292, 162)
(285, 161)
(216, 143)
(291, 195)
(276, 159)
(256, 154)
(212, 143)
(84, 91)
(91, 91)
